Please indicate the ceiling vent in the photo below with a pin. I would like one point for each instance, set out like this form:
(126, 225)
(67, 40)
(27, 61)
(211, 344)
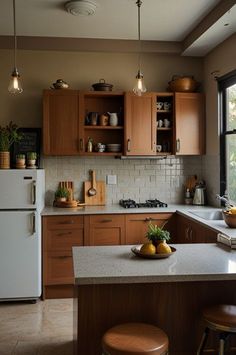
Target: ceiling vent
(81, 7)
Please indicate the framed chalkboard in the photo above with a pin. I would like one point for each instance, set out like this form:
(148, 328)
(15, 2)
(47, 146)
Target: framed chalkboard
(31, 142)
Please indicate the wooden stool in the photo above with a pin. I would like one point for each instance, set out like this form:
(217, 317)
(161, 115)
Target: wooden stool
(135, 339)
(220, 318)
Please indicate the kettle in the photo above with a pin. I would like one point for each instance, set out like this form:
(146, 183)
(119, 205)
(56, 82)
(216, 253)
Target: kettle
(199, 195)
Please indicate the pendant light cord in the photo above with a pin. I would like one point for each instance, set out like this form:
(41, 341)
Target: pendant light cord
(15, 39)
(139, 3)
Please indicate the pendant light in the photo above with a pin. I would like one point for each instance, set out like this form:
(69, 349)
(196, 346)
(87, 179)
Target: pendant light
(15, 84)
(139, 87)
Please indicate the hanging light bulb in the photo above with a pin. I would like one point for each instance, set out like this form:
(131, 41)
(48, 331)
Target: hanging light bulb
(15, 86)
(139, 87)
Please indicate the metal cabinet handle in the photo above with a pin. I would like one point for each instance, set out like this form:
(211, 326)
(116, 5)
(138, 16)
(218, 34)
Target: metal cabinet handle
(106, 220)
(81, 142)
(65, 233)
(187, 233)
(33, 223)
(67, 222)
(191, 234)
(148, 219)
(62, 257)
(33, 192)
(128, 145)
(178, 145)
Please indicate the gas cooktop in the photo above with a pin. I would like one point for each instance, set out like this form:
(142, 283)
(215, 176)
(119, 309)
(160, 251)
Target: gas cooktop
(148, 203)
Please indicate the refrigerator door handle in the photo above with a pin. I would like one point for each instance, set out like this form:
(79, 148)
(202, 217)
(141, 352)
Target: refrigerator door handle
(33, 192)
(33, 223)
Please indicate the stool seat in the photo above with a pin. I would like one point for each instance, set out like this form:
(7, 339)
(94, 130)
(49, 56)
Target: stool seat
(222, 317)
(135, 339)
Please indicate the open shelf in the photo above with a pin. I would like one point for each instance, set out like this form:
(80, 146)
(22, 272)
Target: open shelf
(164, 111)
(164, 128)
(102, 154)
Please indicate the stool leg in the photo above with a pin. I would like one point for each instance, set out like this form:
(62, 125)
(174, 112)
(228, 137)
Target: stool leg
(222, 345)
(203, 341)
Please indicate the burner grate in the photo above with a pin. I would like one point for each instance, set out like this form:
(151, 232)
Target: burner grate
(148, 203)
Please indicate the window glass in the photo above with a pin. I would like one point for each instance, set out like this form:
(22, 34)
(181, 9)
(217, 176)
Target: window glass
(227, 91)
(231, 108)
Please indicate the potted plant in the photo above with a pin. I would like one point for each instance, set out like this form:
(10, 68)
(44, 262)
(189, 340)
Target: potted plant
(157, 234)
(61, 194)
(20, 161)
(31, 159)
(8, 136)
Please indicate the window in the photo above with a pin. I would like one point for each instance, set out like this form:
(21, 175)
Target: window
(227, 91)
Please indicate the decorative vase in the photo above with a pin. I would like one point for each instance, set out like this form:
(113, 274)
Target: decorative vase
(4, 160)
(31, 163)
(20, 163)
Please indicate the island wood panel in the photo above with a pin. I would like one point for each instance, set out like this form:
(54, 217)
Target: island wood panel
(137, 225)
(175, 307)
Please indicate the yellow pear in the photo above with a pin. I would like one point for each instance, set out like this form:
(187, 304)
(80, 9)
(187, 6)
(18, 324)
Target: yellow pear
(148, 248)
(233, 210)
(163, 248)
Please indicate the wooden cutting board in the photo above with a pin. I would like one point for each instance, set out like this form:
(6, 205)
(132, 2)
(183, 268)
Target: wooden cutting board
(97, 200)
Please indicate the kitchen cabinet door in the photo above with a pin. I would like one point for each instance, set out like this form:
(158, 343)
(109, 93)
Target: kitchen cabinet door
(189, 124)
(60, 122)
(137, 226)
(105, 229)
(140, 126)
(60, 234)
(189, 231)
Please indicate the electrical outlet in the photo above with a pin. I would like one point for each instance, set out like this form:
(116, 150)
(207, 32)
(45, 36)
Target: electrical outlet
(111, 180)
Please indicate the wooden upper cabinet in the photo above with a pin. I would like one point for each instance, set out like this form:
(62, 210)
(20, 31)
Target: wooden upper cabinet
(189, 124)
(60, 122)
(140, 127)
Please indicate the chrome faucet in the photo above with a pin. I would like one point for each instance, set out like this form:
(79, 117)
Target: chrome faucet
(225, 199)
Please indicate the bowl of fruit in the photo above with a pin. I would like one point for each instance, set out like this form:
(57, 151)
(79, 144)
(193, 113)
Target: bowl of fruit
(156, 247)
(229, 216)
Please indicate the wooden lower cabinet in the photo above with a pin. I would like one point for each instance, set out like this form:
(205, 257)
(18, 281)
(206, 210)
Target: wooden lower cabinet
(189, 231)
(60, 233)
(136, 225)
(105, 229)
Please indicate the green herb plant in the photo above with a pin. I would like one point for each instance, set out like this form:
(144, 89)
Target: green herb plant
(31, 155)
(156, 234)
(20, 156)
(62, 192)
(8, 136)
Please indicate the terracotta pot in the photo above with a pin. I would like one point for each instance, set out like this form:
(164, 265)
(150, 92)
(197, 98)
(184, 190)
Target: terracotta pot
(4, 160)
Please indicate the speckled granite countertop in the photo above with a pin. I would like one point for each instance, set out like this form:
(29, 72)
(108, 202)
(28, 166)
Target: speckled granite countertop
(185, 210)
(117, 264)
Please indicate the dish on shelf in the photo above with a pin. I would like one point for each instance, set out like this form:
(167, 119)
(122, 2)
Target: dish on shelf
(113, 147)
(136, 251)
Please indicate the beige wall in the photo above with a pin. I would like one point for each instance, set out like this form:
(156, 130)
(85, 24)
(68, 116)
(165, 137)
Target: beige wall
(40, 68)
(222, 59)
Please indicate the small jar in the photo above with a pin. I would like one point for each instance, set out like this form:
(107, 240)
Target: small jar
(90, 145)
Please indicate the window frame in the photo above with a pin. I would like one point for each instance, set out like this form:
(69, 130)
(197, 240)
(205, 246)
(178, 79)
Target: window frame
(224, 82)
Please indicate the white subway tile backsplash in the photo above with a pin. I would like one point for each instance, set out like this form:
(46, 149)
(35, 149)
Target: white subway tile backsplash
(138, 179)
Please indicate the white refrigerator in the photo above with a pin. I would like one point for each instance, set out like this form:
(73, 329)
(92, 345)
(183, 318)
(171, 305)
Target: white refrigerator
(21, 201)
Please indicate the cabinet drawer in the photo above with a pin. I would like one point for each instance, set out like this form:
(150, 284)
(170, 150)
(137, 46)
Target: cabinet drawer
(107, 220)
(58, 268)
(64, 239)
(63, 222)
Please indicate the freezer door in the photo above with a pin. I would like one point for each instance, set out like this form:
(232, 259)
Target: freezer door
(18, 189)
(20, 255)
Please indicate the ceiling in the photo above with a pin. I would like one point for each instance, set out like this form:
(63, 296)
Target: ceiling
(196, 26)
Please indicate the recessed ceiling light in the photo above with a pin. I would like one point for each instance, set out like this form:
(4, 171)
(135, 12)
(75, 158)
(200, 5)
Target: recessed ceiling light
(81, 7)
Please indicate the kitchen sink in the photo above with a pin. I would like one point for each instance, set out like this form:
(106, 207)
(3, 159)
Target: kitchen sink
(210, 215)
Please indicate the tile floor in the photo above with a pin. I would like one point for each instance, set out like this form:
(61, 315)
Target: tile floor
(37, 329)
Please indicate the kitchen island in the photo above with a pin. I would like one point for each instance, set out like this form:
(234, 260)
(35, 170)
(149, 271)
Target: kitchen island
(113, 286)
